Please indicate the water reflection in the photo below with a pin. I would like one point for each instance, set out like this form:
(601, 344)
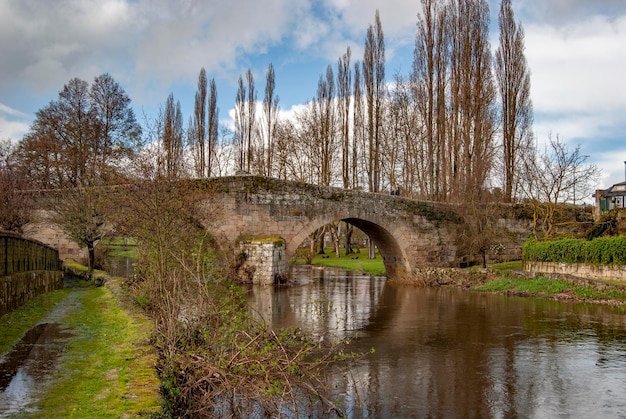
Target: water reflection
(32, 359)
(455, 353)
(120, 266)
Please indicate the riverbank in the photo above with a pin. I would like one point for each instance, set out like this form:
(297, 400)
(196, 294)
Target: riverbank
(107, 367)
(502, 278)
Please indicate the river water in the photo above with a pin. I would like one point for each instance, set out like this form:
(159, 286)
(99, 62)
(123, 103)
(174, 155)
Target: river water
(444, 352)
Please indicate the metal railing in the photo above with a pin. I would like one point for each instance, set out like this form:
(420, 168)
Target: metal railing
(18, 254)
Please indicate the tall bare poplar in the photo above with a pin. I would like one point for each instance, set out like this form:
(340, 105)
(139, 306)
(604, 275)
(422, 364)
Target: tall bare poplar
(325, 121)
(472, 99)
(250, 119)
(344, 93)
(374, 78)
(513, 78)
(212, 128)
(430, 80)
(199, 125)
(358, 135)
(171, 123)
(270, 113)
(240, 125)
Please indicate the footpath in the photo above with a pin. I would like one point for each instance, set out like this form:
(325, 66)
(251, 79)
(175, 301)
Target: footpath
(79, 352)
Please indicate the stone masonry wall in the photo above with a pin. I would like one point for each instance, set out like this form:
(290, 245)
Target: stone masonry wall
(265, 261)
(579, 270)
(18, 288)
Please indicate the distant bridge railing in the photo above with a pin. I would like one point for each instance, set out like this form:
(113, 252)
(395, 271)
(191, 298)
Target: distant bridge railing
(18, 254)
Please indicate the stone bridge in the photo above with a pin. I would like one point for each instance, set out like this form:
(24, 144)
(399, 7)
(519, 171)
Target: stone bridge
(268, 219)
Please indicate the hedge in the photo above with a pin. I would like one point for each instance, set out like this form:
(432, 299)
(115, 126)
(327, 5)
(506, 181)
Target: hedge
(600, 251)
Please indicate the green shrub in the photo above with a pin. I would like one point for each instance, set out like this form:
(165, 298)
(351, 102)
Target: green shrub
(600, 251)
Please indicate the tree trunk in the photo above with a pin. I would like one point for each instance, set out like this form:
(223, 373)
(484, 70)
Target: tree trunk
(349, 231)
(371, 253)
(91, 249)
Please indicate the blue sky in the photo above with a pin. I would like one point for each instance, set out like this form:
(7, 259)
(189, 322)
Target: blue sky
(576, 51)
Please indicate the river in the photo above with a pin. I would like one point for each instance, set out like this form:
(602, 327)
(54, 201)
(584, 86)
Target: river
(446, 352)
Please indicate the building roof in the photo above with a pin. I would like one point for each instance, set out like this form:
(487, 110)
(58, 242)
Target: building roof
(618, 189)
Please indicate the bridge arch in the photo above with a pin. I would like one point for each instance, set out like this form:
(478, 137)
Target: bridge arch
(385, 236)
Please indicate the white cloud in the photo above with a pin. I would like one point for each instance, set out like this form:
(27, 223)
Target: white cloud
(578, 68)
(12, 123)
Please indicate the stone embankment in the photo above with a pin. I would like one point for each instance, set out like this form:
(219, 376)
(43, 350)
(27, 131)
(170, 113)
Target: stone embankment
(578, 270)
(17, 288)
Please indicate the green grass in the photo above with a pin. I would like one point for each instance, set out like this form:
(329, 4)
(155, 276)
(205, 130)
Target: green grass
(107, 369)
(355, 262)
(72, 267)
(543, 287)
(16, 323)
(120, 246)
(506, 266)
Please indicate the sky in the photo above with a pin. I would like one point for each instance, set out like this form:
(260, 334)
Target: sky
(576, 52)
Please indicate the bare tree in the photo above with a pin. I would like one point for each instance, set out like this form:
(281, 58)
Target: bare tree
(513, 77)
(324, 125)
(270, 113)
(200, 126)
(429, 77)
(245, 118)
(171, 136)
(82, 214)
(15, 206)
(472, 100)
(81, 137)
(250, 118)
(552, 178)
(395, 129)
(358, 134)
(118, 133)
(374, 78)
(344, 93)
(213, 127)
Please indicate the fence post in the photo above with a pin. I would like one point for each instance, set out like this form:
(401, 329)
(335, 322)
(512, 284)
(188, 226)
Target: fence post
(6, 255)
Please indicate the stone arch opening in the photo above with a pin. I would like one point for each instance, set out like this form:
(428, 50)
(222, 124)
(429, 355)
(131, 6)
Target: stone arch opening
(393, 255)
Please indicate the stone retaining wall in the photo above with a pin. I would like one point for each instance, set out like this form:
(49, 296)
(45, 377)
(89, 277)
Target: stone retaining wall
(18, 288)
(579, 270)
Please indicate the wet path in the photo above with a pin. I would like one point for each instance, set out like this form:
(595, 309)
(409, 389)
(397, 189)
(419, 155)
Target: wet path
(26, 368)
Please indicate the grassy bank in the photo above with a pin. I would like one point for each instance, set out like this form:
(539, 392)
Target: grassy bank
(357, 262)
(119, 246)
(542, 287)
(107, 369)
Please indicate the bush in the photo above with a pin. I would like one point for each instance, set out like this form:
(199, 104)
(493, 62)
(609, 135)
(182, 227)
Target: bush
(600, 251)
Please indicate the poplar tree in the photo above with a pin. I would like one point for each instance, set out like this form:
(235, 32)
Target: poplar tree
(429, 78)
(374, 78)
(212, 128)
(240, 125)
(199, 125)
(513, 78)
(270, 113)
(344, 93)
(171, 134)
